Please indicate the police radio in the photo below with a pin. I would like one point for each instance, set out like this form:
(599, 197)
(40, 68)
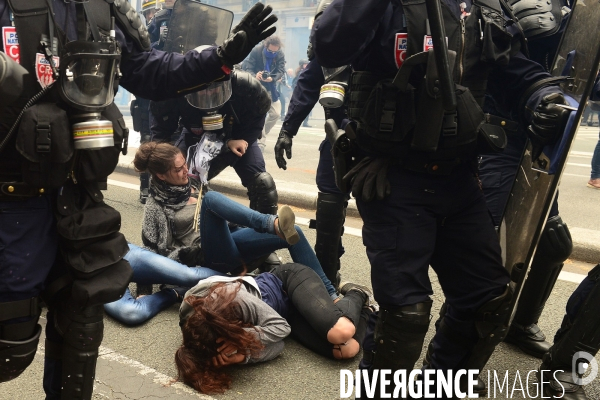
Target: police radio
(333, 92)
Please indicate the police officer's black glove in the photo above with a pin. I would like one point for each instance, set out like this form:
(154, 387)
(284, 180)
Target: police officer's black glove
(163, 36)
(549, 121)
(369, 179)
(192, 256)
(252, 29)
(284, 142)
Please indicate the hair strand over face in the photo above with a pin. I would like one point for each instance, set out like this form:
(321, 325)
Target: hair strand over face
(216, 315)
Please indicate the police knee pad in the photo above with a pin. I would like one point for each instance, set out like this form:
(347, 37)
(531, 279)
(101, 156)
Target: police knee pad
(263, 194)
(82, 332)
(15, 356)
(554, 248)
(399, 336)
(491, 323)
(330, 217)
(18, 341)
(556, 243)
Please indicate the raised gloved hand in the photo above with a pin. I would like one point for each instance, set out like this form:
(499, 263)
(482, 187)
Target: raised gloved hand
(192, 256)
(549, 121)
(369, 179)
(284, 142)
(252, 29)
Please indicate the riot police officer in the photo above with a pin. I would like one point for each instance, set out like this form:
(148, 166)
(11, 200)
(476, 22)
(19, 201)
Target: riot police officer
(577, 341)
(243, 117)
(331, 201)
(64, 109)
(543, 28)
(416, 191)
(158, 27)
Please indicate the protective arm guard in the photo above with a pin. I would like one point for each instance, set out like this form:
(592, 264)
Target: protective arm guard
(131, 23)
(538, 18)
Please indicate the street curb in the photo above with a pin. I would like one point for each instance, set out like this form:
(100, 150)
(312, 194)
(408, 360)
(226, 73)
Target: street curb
(586, 242)
(287, 195)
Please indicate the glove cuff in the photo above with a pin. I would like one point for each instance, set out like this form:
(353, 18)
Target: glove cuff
(285, 133)
(227, 65)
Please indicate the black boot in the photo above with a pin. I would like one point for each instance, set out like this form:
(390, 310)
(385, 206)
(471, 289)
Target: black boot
(330, 217)
(554, 248)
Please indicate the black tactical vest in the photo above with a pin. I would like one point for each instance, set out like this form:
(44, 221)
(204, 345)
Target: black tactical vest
(389, 120)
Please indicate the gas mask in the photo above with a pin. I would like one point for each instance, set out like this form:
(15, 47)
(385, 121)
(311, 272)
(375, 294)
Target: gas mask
(86, 83)
(334, 90)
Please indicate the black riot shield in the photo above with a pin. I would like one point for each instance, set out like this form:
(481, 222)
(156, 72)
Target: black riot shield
(195, 24)
(537, 180)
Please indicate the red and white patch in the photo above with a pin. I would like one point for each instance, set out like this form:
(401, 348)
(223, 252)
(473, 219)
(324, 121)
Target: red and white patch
(427, 43)
(43, 70)
(11, 42)
(401, 48)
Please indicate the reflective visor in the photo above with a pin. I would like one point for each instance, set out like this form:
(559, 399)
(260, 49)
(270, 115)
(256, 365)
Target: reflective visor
(211, 98)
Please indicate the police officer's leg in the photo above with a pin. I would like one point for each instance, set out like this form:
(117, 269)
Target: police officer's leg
(554, 248)
(468, 263)
(262, 191)
(28, 237)
(578, 333)
(330, 216)
(272, 118)
(399, 235)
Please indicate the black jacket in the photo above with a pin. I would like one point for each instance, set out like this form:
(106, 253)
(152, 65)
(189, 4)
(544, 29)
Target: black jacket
(255, 62)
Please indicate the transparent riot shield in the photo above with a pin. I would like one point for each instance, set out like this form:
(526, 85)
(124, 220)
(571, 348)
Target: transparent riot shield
(195, 24)
(537, 180)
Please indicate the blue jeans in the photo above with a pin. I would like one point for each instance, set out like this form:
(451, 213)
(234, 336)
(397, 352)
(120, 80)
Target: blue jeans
(149, 268)
(596, 162)
(226, 250)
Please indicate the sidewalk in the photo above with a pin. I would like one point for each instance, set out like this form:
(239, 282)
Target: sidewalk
(586, 242)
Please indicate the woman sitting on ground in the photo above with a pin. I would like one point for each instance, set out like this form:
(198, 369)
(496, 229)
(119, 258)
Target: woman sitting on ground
(168, 230)
(229, 320)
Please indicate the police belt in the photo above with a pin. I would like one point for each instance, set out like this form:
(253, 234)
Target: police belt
(18, 191)
(417, 163)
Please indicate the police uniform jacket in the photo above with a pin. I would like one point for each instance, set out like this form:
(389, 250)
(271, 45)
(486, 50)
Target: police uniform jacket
(365, 35)
(154, 74)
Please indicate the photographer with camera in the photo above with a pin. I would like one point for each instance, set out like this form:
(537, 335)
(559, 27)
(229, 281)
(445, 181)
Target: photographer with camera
(267, 63)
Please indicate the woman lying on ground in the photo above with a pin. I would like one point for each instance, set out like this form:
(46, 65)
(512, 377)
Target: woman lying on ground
(232, 320)
(168, 230)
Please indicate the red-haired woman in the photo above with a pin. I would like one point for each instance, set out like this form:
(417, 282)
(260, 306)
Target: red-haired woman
(229, 320)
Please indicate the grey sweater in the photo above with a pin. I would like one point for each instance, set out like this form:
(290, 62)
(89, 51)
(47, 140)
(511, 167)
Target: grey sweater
(160, 237)
(269, 327)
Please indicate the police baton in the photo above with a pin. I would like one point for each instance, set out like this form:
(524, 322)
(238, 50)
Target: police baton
(440, 52)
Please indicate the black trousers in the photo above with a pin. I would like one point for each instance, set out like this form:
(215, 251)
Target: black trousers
(313, 313)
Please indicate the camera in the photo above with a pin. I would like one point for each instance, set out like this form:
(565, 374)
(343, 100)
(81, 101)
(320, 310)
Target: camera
(265, 74)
